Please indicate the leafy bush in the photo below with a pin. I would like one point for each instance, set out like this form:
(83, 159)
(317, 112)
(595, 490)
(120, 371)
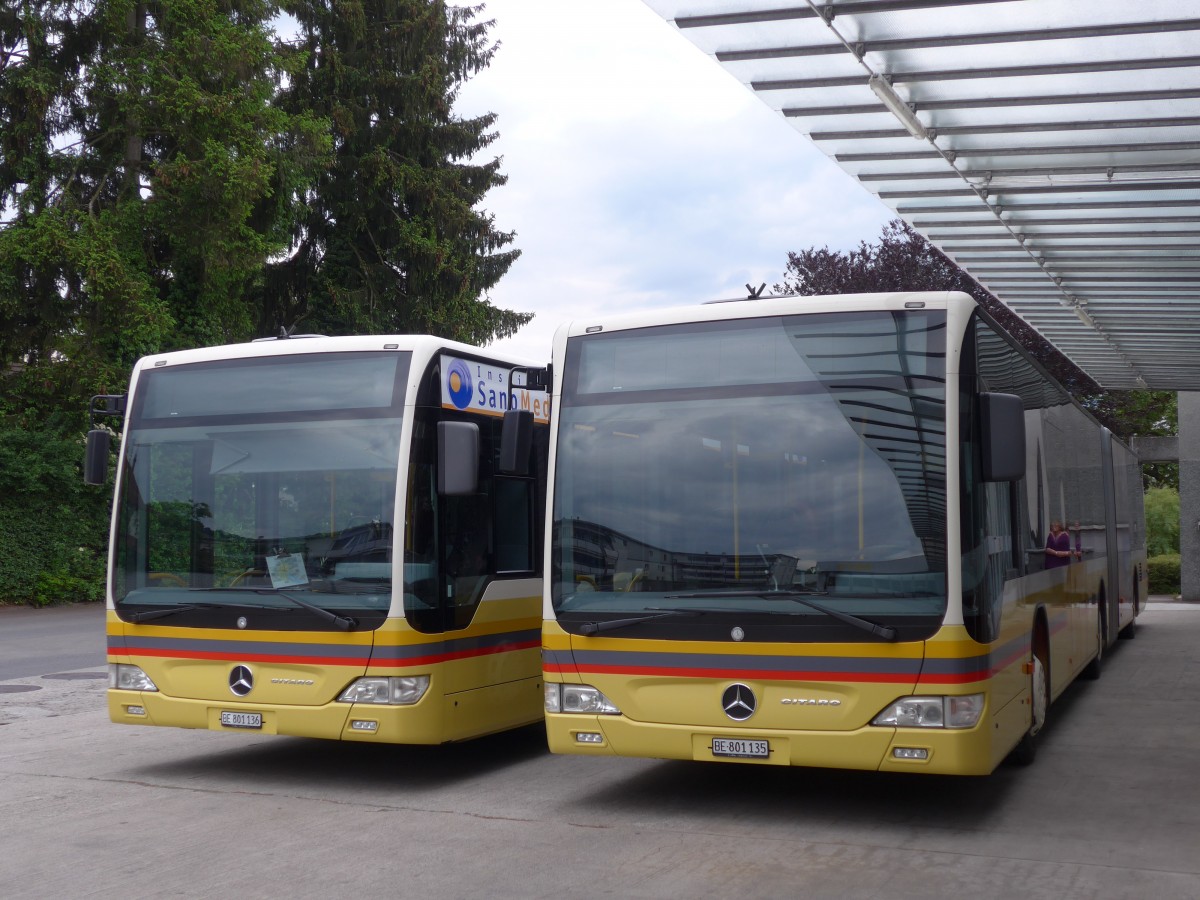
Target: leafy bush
(1164, 574)
(1162, 521)
(53, 530)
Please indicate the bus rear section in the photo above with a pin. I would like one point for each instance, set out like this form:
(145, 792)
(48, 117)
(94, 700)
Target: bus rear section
(313, 537)
(793, 532)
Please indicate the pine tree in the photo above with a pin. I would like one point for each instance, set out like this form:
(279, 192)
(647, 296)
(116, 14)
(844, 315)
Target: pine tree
(393, 240)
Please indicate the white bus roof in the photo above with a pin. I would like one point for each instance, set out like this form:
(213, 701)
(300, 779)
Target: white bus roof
(421, 345)
(761, 307)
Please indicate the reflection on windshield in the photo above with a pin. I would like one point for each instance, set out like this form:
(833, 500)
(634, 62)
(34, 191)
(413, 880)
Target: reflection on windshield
(302, 507)
(264, 482)
(800, 454)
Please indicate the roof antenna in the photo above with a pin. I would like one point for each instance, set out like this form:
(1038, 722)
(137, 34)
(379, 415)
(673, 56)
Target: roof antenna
(755, 294)
(285, 333)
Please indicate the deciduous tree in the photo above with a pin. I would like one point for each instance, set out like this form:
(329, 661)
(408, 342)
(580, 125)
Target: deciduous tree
(142, 166)
(142, 162)
(902, 260)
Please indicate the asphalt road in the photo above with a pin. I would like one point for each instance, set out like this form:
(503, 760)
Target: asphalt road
(60, 638)
(1111, 808)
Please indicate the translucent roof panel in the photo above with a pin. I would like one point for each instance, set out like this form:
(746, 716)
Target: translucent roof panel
(1050, 147)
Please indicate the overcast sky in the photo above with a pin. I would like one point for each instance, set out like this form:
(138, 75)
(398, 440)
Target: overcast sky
(640, 173)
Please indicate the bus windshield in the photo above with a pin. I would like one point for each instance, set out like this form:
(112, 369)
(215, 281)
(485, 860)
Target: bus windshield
(720, 468)
(265, 483)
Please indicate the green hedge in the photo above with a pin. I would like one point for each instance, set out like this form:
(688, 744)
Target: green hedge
(53, 529)
(1162, 521)
(1164, 574)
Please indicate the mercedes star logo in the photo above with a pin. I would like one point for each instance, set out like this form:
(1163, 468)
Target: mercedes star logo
(241, 681)
(738, 702)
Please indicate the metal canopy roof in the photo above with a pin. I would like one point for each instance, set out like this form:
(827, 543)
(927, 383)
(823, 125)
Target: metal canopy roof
(1050, 147)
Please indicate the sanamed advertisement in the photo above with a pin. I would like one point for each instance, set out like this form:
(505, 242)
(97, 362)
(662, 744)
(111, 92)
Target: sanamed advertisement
(477, 387)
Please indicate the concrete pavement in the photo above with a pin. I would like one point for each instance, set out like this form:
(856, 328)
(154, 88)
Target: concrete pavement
(1110, 809)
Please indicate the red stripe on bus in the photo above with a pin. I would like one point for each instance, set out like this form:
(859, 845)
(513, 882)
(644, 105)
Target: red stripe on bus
(768, 675)
(220, 656)
(775, 675)
(459, 654)
(357, 662)
(955, 677)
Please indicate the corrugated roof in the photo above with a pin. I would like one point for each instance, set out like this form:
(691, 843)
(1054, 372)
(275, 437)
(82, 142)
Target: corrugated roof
(1057, 156)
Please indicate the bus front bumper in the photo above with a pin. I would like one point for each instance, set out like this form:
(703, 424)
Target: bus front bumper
(417, 724)
(935, 751)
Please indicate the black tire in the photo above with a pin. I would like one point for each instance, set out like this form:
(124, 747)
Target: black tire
(1129, 632)
(1039, 694)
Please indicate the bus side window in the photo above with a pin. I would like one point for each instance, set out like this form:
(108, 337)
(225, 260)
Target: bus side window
(467, 565)
(514, 525)
(448, 552)
(459, 542)
(991, 511)
(469, 535)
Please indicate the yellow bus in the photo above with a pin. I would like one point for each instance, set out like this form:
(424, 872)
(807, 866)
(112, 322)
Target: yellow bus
(814, 531)
(327, 537)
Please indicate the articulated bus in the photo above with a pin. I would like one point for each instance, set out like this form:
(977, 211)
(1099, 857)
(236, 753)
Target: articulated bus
(812, 531)
(327, 537)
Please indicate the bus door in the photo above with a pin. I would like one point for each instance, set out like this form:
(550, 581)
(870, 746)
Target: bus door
(470, 561)
(1112, 592)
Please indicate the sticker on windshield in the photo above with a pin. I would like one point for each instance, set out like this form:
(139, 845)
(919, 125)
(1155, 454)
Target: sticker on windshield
(287, 570)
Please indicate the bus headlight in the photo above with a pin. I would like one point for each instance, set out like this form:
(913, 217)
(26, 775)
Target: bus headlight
(578, 698)
(122, 677)
(402, 690)
(933, 712)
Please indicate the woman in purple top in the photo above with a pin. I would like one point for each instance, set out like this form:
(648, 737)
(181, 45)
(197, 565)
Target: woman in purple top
(1058, 546)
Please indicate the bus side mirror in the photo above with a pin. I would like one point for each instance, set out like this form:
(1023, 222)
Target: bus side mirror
(95, 461)
(516, 439)
(1002, 435)
(458, 458)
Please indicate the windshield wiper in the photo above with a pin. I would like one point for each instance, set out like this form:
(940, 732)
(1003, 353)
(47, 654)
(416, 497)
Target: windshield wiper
(151, 614)
(611, 624)
(887, 632)
(342, 623)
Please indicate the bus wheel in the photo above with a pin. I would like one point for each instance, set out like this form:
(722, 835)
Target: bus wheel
(1039, 697)
(1130, 631)
(1092, 670)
